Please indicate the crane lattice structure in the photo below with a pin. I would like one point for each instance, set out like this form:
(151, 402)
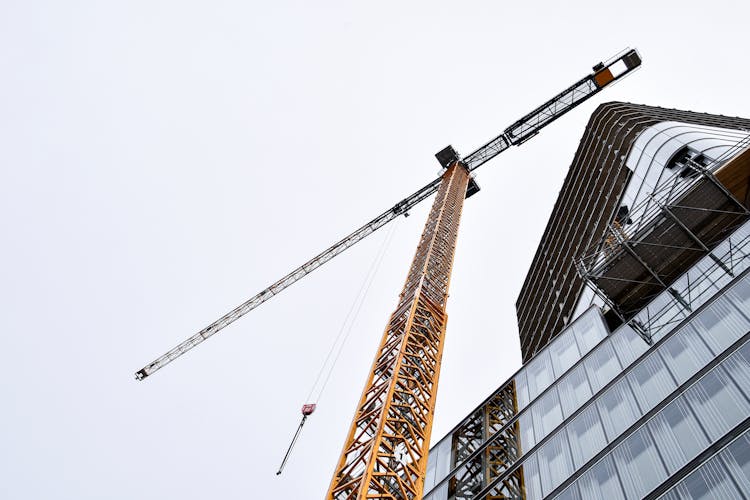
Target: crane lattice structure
(385, 453)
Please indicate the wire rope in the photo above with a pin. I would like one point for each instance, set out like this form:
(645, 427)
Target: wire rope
(350, 319)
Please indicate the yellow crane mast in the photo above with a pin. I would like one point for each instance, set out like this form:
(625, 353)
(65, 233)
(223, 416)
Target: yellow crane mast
(385, 454)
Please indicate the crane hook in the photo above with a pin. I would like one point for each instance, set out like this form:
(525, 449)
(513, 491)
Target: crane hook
(307, 410)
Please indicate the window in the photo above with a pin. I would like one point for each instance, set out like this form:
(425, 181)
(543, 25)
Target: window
(628, 345)
(555, 465)
(721, 324)
(564, 352)
(737, 458)
(569, 493)
(717, 402)
(639, 464)
(438, 463)
(547, 414)
(709, 482)
(740, 293)
(539, 374)
(601, 481)
(738, 367)
(574, 390)
(527, 431)
(530, 472)
(589, 330)
(439, 493)
(651, 382)
(685, 353)
(586, 436)
(677, 434)
(602, 365)
(618, 409)
(522, 390)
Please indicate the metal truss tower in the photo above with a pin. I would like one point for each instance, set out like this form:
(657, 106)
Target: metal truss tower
(385, 453)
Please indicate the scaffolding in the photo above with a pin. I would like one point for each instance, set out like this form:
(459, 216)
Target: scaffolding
(639, 268)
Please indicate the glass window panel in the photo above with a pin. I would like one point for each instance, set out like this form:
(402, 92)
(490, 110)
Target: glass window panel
(601, 481)
(547, 414)
(618, 409)
(668, 318)
(744, 351)
(737, 458)
(628, 345)
(574, 390)
(602, 365)
(740, 294)
(569, 493)
(429, 477)
(586, 436)
(555, 465)
(721, 324)
(685, 353)
(530, 472)
(739, 263)
(564, 352)
(738, 367)
(638, 464)
(527, 431)
(677, 434)
(710, 482)
(539, 374)
(651, 381)
(522, 391)
(438, 463)
(679, 492)
(439, 493)
(443, 464)
(717, 402)
(589, 330)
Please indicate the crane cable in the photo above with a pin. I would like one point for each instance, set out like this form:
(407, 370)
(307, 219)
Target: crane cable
(351, 317)
(338, 344)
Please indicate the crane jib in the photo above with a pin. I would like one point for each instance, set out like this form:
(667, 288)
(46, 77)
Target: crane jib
(519, 132)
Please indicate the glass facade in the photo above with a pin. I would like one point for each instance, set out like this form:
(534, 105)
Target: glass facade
(600, 414)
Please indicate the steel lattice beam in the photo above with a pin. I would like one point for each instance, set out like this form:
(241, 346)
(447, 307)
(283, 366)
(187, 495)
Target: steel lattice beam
(385, 453)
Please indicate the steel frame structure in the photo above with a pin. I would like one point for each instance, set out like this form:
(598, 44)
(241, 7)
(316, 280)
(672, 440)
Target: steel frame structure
(385, 453)
(673, 205)
(480, 463)
(485, 446)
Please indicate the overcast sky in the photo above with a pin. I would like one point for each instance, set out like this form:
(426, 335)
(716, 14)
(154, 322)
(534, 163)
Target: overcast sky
(162, 161)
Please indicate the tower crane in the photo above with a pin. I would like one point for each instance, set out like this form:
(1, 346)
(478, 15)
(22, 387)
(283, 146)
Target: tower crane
(385, 452)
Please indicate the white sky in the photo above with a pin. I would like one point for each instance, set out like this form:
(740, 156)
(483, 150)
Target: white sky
(162, 161)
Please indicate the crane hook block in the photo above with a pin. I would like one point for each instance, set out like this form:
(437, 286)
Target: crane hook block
(308, 409)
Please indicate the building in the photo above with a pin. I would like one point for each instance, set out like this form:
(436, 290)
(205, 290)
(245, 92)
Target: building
(634, 323)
